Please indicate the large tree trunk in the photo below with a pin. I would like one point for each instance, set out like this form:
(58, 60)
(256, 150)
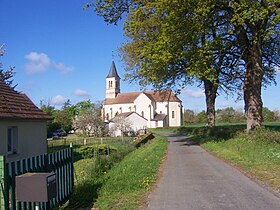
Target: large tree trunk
(252, 87)
(210, 94)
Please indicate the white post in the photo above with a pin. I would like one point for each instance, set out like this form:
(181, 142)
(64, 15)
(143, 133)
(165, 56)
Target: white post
(37, 207)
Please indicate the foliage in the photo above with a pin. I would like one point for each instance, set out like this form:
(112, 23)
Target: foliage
(268, 115)
(230, 115)
(264, 135)
(89, 120)
(95, 150)
(6, 76)
(90, 174)
(217, 133)
(121, 124)
(223, 43)
(140, 170)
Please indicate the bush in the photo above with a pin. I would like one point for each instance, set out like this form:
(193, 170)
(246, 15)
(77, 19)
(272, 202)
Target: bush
(264, 135)
(94, 150)
(215, 133)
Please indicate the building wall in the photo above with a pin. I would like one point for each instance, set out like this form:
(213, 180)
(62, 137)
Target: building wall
(114, 108)
(144, 104)
(175, 120)
(136, 122)
(31, 138)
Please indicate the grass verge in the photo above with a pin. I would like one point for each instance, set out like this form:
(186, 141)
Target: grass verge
(127, 183)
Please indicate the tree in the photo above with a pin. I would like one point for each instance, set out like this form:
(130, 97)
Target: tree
(121, 124)
(201, 117)
(162, 51)
(51, 111)
(240, 37)
(6, 76)
(268, 115)
(89, 120)
(189, 116)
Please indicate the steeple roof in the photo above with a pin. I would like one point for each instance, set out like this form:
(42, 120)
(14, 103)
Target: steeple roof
(113, 71)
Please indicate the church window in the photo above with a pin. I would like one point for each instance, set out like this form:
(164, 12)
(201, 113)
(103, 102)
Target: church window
(110, 84)
(173, 114)
(142, 113)
(107, 116)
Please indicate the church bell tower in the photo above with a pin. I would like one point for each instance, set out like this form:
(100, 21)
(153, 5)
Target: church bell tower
(112, 82)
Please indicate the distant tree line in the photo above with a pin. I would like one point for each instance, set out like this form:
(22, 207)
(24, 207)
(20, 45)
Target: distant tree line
(84, 117)
(228, 115)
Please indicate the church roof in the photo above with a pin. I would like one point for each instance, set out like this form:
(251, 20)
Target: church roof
(15, 105)
(159, 117)
(155, 96)
(113, 71)
(125, 115)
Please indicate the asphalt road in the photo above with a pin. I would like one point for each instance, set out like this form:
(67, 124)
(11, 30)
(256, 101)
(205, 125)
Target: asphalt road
(194, 179)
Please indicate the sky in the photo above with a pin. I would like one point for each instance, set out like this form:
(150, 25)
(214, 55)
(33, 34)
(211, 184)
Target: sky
(61, 51)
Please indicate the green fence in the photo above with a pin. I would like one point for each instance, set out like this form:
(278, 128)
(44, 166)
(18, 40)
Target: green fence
(60, 162)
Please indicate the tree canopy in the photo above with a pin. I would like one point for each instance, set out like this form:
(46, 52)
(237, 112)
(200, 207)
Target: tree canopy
(225, 44)
(6, 76)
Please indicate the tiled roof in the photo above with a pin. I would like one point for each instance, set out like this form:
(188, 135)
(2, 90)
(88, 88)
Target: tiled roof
(162, 96)
(156, 96)
(159, 117)
(123, 98)
(15, 105)
(113, 71)
(125, 115)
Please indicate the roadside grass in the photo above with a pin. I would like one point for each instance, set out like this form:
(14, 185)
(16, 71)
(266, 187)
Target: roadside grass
(127, 183)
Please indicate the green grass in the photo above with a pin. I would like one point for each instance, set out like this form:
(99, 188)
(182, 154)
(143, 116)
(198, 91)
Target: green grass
(127, 183)
(90, 174)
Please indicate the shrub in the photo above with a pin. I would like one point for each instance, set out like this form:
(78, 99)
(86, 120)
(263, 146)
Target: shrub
(94, 150)
(215, 133)
(264, 135)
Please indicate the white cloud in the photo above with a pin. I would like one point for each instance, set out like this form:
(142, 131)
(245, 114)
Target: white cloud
(199, 93)
(81, 93)
(58, 100)
(40, 62)
(37, 62)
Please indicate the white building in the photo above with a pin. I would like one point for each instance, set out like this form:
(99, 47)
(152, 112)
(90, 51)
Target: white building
(158, 108)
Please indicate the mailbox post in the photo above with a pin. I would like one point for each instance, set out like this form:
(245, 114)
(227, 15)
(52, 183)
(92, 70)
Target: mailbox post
(36, 187)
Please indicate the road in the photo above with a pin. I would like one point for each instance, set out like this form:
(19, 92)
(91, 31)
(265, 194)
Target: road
(194, 179)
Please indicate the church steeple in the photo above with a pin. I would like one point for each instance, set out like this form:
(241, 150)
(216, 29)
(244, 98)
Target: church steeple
(113, 71)
(112, 82)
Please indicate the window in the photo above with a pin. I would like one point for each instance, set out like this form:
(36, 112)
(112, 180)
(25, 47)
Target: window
(12, 140)
(142, 113)
(110, 84)
(173, 114)
(107, 116)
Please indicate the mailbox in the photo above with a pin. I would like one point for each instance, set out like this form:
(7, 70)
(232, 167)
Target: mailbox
(36, 187)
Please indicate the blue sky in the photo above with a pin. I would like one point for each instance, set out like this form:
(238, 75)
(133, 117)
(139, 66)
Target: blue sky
(61, 51)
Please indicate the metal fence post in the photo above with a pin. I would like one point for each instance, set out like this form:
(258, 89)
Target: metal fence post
(3, 178)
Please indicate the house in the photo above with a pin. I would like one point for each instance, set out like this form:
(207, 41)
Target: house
(131, 122)
(23, 126)
(159, 108)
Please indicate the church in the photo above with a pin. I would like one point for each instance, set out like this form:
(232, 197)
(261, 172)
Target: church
(149, 109)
